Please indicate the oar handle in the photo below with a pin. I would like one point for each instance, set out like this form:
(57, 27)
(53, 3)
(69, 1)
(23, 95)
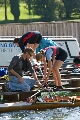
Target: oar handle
(36, 94)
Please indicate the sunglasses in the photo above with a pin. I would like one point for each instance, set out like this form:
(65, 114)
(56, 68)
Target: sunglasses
(30, 54)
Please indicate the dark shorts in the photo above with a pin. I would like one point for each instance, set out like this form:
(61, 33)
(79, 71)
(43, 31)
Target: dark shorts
(35, 39)
(62, 54)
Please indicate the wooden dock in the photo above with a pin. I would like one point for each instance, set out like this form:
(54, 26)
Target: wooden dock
(71, 80)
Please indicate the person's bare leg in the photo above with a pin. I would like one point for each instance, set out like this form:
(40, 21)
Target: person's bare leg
(56, 67)
(55, 78)
(54, 74)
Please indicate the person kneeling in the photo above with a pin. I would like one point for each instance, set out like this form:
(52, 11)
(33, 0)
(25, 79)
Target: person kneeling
(18, 64)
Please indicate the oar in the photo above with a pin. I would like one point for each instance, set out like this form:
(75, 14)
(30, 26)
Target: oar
(33, 99)
(39, 91)
(49, 89)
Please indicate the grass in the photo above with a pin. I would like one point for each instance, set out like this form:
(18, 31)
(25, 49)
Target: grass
(25, 17)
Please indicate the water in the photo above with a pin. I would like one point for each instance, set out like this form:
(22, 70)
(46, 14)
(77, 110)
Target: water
(49, 114)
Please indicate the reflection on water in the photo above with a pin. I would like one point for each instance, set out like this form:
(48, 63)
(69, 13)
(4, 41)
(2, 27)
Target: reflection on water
(49, 114)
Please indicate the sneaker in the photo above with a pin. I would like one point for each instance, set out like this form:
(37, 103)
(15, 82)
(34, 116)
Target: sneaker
(60, 87)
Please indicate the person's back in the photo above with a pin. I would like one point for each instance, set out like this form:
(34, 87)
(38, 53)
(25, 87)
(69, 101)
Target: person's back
(45, 42)
(15, 64)
(29, 39)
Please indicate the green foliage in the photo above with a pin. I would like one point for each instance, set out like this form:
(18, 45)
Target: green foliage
(77, 8)
(44, 8)
(71, 6)
(1, 1)
(39, 10)
(60, 10)
(28, 6)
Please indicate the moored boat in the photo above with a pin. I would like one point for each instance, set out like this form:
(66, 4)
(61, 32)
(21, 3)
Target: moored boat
(15, 106)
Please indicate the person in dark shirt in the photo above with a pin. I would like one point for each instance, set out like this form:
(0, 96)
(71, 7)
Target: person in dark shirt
(29, 39)
(18, 64)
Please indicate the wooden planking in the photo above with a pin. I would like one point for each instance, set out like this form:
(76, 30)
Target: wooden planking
(62, 28)
(21, 96)
(12, 93)
(78, 32)
(63, 76)
(34, 91)
(16, 96)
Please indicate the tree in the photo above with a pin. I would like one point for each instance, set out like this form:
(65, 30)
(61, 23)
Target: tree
(60, 10)
(28, 6)
(44, 8)
(76, 9)
(3, 3)
(14, 5)
(5, 10)
(71, 6)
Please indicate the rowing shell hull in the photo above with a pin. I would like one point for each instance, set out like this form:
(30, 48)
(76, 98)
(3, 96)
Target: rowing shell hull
(8, 107)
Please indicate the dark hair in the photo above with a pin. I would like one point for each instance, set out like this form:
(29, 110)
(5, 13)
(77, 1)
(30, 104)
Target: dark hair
(29, 50)
(16, 40)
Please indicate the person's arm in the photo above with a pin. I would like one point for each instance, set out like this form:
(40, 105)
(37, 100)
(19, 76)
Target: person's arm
(50, 69)
(34, 74)
(45, 67)
(35, 77)
(17, 75)
(49, 57)
(14, 73)
(50, 66)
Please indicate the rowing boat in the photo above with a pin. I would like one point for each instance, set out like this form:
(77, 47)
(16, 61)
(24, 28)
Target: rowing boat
(15, 106)
(8, 107)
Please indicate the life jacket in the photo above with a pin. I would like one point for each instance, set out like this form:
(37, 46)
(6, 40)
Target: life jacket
(54, 48)
(27, 36)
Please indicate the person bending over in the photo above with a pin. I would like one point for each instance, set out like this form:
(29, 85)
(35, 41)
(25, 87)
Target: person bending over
(55, 56)
(29, 39)
(18, 64)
